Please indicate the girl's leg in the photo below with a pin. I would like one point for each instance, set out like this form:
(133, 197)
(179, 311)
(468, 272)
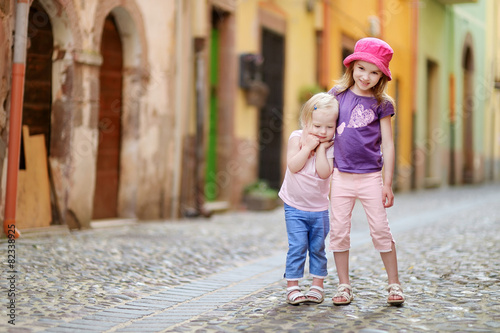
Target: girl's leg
(297, 231)
(390, 261)
(294, 283)
(297, 248)
(318, 282)
(342, 264)
(370, 195)
(318, 262)
(371, 198)
(316, 292)
(342, 199)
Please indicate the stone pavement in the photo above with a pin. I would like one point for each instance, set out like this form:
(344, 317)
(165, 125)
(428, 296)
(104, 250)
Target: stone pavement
(224, 274)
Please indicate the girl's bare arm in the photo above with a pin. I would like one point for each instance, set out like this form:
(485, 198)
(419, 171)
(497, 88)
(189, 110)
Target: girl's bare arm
(298, 153)
(388, 153)
(324, 165)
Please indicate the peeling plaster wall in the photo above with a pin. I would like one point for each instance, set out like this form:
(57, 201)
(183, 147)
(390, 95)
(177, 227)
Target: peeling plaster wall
(147, 30)
(156, 126)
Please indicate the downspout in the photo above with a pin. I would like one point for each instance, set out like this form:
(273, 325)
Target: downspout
(178, 113)
(200, 31)
(414, 81)
(200, 125)
(16, 117)
(414, 54)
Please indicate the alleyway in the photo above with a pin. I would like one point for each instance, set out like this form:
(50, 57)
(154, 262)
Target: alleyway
(224, 274)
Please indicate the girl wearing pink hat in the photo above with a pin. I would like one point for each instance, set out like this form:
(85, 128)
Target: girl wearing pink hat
(363, 146)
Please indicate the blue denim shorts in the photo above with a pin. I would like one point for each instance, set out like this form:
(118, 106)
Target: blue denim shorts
(306, 231)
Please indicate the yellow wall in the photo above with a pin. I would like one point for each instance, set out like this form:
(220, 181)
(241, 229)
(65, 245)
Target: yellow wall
(397, 32)
(352, 19)
(347, 18)
(247, 41)
(299, 67)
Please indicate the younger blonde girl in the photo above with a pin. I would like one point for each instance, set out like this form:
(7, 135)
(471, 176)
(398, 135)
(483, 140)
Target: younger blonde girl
(305, 192)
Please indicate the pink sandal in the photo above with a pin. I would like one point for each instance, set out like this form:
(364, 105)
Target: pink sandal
(395, 290)
(316, 294)
(345, 291)
(292, 298)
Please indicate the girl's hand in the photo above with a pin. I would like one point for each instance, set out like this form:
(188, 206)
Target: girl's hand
(387, 196)
(310, 142)
(325, 145)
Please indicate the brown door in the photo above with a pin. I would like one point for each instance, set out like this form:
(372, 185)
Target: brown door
(110, 98)
(271, 115)
(38, 88)
(33, 192)
(468, 119)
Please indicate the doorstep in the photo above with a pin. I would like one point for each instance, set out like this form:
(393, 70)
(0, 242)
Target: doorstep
(112, 223)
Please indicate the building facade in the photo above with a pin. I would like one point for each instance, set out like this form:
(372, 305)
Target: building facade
(453, 92)
(492, 75)
(163, 109)
(99, 89)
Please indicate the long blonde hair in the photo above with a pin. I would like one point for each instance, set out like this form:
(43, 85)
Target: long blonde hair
(347, 81)
(319, 101)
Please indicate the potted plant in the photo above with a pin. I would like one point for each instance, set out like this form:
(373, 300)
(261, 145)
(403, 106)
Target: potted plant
(307, 91)
(260, 196)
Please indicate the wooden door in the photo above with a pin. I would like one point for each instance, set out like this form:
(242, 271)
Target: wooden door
(33, 192)
(468, 118)
(271, 115)
(38, 79)
(110, 99)
(211, 157)
(431, 148)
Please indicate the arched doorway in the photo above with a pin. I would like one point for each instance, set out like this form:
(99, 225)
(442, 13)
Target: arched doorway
(431, 145)
(34, 204)
(109, 126)
(468, 115)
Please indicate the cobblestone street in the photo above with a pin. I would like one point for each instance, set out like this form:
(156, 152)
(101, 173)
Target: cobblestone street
(224, 274)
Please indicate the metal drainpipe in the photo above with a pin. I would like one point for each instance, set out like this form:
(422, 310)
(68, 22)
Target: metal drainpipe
(178, 113)
(16, 117)
(200, 115)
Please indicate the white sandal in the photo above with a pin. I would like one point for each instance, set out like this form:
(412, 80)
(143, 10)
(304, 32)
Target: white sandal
(316, 294)
(293, 298)
(341, 292)
(395, 290)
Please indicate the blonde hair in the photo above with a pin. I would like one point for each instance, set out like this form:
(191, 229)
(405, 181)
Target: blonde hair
(319, 101)
(347, 81)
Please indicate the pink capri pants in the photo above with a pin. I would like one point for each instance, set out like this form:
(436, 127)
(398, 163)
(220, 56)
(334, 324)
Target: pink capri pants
(345, 189)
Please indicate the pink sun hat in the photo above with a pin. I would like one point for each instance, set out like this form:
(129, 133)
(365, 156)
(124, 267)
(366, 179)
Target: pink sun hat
(372, 50)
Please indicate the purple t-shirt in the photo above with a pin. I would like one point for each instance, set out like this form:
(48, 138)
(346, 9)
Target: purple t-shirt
(358, 137)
